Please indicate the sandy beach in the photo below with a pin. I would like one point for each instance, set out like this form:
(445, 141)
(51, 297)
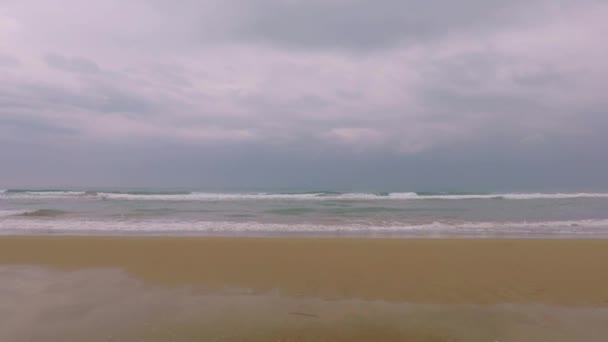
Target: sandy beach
(560, 272)
(307, 289)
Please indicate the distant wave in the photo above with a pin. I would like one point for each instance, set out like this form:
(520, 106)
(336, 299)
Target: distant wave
(32, 213)
(514, 196)
(44, 213)
(8, 213)
(166, 227)
(317, 196)
(42, 193)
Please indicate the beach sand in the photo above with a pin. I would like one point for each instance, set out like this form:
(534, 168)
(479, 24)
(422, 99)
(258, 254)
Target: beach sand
(312, 289)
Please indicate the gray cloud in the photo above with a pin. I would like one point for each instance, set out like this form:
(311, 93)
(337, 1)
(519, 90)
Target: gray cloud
(71, 64)
(91, 97)
(7, 60)
(274, 91)
(367, 25)
(32, 127)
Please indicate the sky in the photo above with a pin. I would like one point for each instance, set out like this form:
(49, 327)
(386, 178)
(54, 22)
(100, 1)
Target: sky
(324, 94)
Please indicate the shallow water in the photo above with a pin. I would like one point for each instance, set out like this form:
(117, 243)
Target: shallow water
(39, 304)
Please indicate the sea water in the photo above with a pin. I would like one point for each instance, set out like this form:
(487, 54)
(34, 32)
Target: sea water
(312, 213)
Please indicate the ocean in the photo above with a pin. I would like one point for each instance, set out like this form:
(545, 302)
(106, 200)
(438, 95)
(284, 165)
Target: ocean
(315, 213)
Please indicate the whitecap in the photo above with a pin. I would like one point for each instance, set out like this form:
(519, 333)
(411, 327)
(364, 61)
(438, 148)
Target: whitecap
(172, 227)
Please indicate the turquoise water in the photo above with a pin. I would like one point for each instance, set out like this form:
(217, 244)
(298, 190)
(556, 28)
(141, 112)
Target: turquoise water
(323, 213)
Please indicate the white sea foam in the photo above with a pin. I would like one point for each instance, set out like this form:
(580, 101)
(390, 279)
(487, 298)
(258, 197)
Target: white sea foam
(87, 226)
(204, 196)
(56, 193)
(520, 196)
(7, 194)
(320, 196)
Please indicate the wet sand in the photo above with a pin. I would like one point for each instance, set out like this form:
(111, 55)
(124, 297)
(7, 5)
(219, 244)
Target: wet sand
(73, 289)
(455, 271)
(95, 305)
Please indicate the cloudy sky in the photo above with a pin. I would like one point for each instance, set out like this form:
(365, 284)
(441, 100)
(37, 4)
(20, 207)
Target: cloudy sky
(349, 94)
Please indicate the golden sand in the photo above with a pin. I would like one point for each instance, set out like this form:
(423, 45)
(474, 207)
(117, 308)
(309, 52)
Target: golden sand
(454, 271)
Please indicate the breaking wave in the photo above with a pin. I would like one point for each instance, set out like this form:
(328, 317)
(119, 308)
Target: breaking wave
(164, 227)
(310, 196)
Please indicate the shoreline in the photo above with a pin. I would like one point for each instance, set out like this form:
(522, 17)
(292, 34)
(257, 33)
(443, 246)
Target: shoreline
(380, 235)
(565, 272)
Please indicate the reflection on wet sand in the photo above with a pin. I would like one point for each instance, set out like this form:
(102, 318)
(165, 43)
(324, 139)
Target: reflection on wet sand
(40, 304)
